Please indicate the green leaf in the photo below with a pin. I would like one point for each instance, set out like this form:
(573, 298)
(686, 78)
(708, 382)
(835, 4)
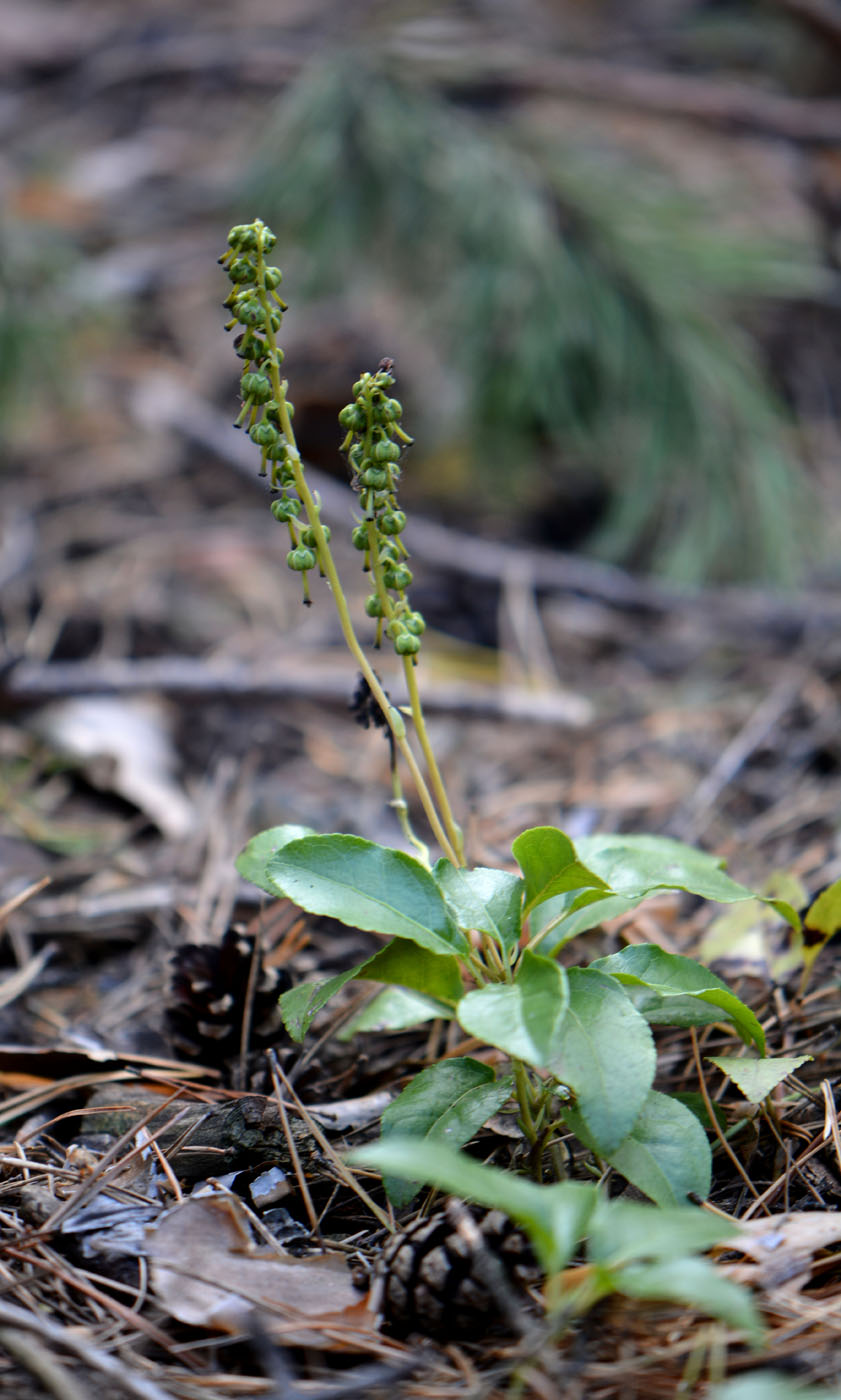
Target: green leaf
(300, 1006)
(400, 962)
(484, 899)
(820, 922)
(550, 865)
(448, 1102)
(554, 1217)
(624, 1232)
(394, 1009)
(523, 1017)
(366, 886)
(639, 865)
(756, 1078)
(666, 1154)
(253, 858)
(407, 964)
(669, 975)
(695, 1283)
(555, 921)
(605, 1055)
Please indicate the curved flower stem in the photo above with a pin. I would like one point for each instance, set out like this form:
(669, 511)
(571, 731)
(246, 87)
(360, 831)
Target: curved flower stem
(453, 829)
(328, 567)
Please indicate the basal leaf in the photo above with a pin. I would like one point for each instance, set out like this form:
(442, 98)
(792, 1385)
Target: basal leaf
(638, 865)
(668, 975)
(771, 1385)
(626, 1232)
(366, 886)
(605, 1055)
(393, 1009)
(407, 964)
(484, 899)
(524, 1017)
(550, 865)
(555, 921)
(300, 1006)
(554, 1217)
(666, 1154)
(401, 962)
(756, 1078)
(694, 1283)
(253, 858)
(448, 1102)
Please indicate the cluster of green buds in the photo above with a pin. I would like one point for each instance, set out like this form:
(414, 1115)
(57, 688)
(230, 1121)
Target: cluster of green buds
(266, 412)
(374, 444)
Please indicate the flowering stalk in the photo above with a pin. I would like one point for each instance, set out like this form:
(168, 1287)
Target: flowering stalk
(374, 442)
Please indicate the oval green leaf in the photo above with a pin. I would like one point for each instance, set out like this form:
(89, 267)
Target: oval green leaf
(670, 975)
(550, 865)
(605, 1055)
(448, 1102)
(523, 1017)
(484, 899)
(253, 858)
(366, 886)
(666, 1154)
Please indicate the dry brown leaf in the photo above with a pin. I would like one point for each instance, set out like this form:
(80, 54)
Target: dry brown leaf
(207, 1270)
(782, 1248)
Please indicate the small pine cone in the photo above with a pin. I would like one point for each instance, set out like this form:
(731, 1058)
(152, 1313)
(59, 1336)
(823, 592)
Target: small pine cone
(207, 998)
(457, 1274)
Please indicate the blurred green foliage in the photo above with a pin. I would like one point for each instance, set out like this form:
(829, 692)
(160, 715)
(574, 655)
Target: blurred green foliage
(35, 316)
(583, 307)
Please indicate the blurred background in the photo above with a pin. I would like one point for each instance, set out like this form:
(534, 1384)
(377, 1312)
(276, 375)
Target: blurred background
(601, 240)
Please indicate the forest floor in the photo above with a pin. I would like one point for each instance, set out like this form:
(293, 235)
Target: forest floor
(164, 696)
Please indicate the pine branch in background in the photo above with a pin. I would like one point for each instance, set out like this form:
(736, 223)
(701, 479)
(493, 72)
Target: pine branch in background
(583, 307)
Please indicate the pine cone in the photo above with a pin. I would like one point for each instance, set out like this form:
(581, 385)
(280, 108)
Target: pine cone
(457, 1274)
(207, 999)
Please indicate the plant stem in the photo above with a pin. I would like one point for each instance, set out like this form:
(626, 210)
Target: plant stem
(521, 1081)
(325, 560)
(453, 829)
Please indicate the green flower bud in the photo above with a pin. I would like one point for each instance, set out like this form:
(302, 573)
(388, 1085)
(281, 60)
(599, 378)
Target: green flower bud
(242, 270)
(277, 451)
(236, 235)
(386, 451)
(264, 434)
(267, 238)
(300, 559)
(360, 386)
(353, 418)
(375, 477)
(248, 311)
(356, 457)
(393, 409)
(272, 276)
(394, 629)
(415, 623)
(308, 535)
(407, 644)
(373, 605)
(393, 522)
(398, 578)
(256, 387)
(359, 537)
(285, 509)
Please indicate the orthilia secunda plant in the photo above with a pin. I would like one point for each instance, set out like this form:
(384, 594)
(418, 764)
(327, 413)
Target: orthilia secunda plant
(374, 444)
(479, 946)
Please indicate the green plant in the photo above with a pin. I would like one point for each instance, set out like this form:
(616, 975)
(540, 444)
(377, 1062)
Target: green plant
(479, 945)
